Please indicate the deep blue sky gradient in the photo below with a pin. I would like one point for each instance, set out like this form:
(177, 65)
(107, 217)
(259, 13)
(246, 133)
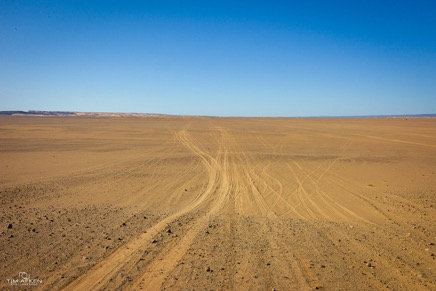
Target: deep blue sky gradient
(244, 58)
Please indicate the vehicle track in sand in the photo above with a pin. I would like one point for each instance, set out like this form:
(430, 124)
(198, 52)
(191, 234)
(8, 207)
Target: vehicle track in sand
(218, 184)
(232, 204)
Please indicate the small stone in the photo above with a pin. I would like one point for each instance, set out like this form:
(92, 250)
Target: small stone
(169, 231)
(268, 264)
(154, 241)
(208, 269)
(124, 224)
(11, 236)
(322, 266)
(9, 225)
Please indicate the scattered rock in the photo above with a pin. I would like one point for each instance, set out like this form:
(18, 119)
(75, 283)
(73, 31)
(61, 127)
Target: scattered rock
(208, 269)
(11, 236)
(9, 225)
(169, 231)
(154, 241)
(322, 266)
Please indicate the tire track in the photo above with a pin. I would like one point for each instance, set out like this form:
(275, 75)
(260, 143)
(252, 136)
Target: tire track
(100, 274)
(303, 195)
(249, 174)
(155, 273)
(331, 203)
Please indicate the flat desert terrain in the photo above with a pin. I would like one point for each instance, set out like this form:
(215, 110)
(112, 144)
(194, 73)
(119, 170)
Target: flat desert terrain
(199, 203)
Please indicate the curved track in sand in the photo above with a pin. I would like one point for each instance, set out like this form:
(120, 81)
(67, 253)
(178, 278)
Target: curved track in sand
(236, 204)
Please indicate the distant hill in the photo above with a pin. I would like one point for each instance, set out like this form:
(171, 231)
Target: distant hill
(74, 113)
(36, 112)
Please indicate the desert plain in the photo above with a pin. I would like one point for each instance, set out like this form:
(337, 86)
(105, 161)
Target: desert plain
(204, 203)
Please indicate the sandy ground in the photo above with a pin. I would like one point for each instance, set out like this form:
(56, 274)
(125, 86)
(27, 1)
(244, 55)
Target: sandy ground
(218, 203)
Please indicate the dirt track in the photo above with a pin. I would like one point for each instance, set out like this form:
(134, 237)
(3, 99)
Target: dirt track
(218, 203)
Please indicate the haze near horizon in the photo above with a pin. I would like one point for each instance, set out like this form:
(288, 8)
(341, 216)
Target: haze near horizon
(225, 58)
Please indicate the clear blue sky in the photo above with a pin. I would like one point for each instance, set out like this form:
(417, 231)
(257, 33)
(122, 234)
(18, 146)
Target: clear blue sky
(245, 58)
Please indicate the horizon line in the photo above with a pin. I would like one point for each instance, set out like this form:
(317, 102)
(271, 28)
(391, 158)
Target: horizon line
(121, 114)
